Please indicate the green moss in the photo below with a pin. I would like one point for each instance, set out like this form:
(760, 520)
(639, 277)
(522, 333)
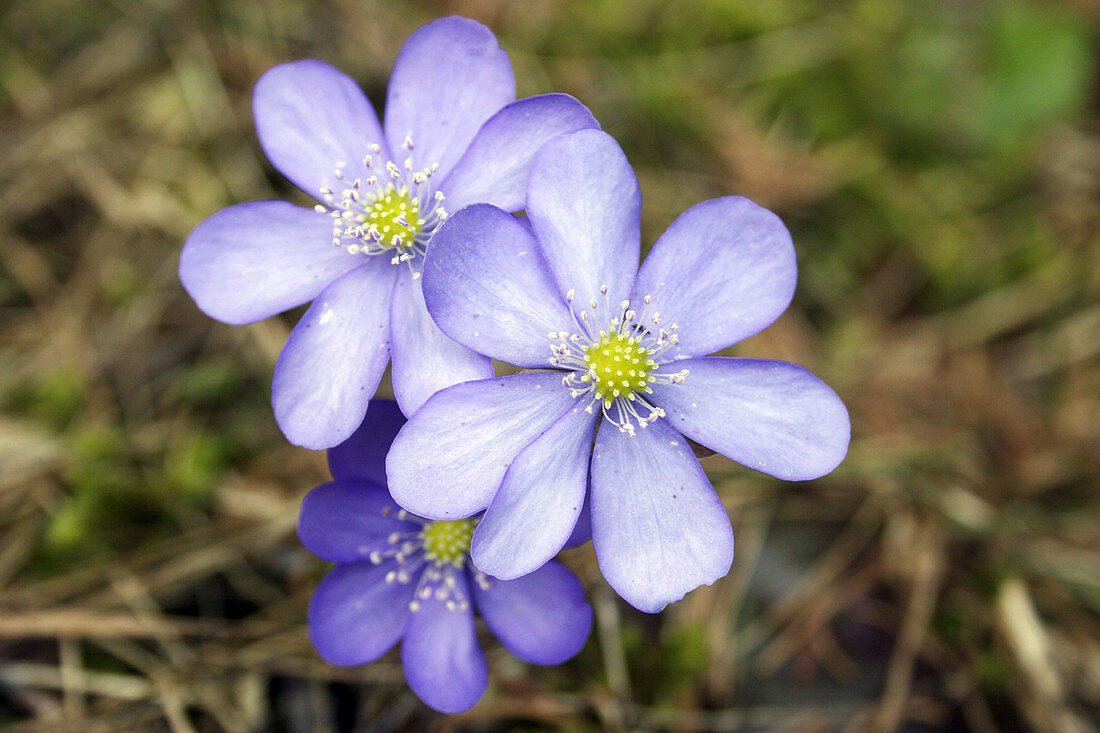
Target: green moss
(53, 398)
(191, 465)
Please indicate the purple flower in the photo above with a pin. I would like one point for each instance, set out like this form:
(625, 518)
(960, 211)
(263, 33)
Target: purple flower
(452, 136)
(400, 577)
(624, 377)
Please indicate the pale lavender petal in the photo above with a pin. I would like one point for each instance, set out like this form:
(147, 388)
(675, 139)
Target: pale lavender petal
(773, 416)
(363, 455)
(487, 286)
(542, 618)
(425, 360)
(723, 271)
(450, 458)
(495, 167)
(658, 528)
(524, 222)
(312, 119)
(443, 663)
(582, 530)
(584, 203)
(345, 521)
(355, 616)
(450, 77)
(253, 260)
(534, 512)
(332, 362)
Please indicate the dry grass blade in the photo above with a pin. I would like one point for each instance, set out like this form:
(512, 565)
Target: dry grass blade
(938, 166)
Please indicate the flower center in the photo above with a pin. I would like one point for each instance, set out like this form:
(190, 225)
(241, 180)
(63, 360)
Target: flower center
(433, 556)
(619, 365)
(448, 542)
(614, 360)
(395, 215)
(393, 210)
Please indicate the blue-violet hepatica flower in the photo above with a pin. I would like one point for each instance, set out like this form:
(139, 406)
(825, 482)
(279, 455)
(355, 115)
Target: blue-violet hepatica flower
(453, 135)
(620, 378)
(400, 577)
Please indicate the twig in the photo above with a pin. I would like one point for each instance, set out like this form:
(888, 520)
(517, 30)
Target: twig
(925, 585)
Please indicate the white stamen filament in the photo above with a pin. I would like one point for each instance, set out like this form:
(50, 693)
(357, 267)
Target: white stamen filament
(405, 197)
(638, 336)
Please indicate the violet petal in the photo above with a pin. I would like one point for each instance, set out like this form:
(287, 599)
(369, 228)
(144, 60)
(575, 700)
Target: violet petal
(311, 119)
(425, 360)
(534, 512)
(253, 260)
(450, 458)
(331, 364)
(443, 663)
(495, 167)
(542, 618)
(585, 205)
(363, 455)
(769, 415)
(723, 271)
(449, 78)
(658, 528)
(355, 616)
(487, 286)
(345, 521)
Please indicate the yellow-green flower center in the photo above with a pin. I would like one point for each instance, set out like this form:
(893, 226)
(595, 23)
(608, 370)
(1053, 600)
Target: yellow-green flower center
(448, 542)
(619, 365)
(395, 215)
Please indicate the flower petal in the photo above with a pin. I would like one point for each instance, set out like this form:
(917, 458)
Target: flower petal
(658, 528)
(345, 521)
(542, 618)
(355, 616)
(311, 119)
(495, 167)
(773, 416)
(443, 663)
(425, 360)
(487, 286)
(251, 261)
(585, 206)
(582, 530)
(534, 512)
(332, 362)
(363, 456)
(450, 77)
(723, 271)
(450, 458)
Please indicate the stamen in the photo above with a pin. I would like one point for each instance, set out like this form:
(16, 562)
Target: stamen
(438, 583)
(616, 365)
(395, 213)
(448, 542)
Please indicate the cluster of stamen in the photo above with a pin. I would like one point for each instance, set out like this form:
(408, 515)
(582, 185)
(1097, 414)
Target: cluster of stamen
(448, 542)
(392, 210)
(433, 555)
(615, 364)
(618, 365)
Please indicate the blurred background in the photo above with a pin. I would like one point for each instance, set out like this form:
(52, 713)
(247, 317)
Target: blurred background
(938, 164)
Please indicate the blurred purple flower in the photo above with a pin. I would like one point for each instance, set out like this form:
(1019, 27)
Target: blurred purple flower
(400, 577)
(566, 294)
(452, 136)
